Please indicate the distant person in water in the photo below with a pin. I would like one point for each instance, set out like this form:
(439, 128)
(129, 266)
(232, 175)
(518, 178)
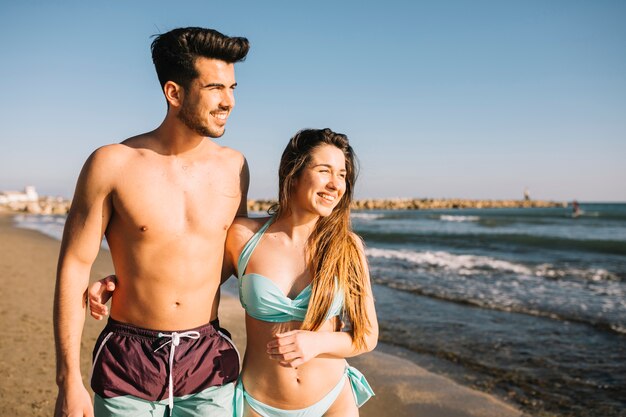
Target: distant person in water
(575, 209)
(526, 194)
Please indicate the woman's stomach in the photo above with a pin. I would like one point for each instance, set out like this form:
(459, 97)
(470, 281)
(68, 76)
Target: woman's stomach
(281, 386)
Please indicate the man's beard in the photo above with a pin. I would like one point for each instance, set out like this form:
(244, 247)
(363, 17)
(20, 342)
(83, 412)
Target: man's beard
(195, 123)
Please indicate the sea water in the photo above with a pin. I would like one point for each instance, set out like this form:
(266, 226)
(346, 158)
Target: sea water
(529, 304)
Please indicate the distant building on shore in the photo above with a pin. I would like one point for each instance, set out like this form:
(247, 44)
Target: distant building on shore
(29, 195)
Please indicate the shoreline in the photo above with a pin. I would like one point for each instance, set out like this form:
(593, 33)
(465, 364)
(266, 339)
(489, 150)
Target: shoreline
(28, 259)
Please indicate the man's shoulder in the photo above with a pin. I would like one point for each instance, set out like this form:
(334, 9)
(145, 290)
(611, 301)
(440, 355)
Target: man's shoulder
(142, 141)
(107, 155)
(113, 150)
(101, 170)
(229, 154)
(230, 151)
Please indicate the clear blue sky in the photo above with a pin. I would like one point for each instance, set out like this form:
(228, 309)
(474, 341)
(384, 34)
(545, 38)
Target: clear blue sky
(471, 99)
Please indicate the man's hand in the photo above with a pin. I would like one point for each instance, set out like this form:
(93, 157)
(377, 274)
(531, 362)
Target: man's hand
(294, 348)
(73, 402)
(99, 293)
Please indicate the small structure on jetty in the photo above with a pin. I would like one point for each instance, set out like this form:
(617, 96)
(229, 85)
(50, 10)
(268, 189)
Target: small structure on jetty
(29, 201)
(29, 195)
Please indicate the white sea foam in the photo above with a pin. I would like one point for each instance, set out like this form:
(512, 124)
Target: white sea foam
(593, 274)
(48, 225)
(474, 264)
(619, 328)
(367, 216)
(462, 264)
(451, 218)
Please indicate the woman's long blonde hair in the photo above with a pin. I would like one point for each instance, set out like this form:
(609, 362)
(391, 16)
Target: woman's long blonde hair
(333, 255)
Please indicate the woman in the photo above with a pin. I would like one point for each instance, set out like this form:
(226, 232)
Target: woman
(298, 271)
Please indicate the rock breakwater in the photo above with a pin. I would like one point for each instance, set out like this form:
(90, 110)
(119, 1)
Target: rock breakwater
(54, 205)
(426, 204)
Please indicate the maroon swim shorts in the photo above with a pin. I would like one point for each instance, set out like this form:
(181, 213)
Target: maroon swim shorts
(128, 360)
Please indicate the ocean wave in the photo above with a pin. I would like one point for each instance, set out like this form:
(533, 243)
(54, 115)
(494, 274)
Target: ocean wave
(502, 301)
(451, 218)
(462, 264)
(366, 216)
(493, 240)
(49, 225)
(594, 296)
(584, 213)
(591, 274)
(476, 264)
(617, 328)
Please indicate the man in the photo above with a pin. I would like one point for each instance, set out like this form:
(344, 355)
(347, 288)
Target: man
(164, 200)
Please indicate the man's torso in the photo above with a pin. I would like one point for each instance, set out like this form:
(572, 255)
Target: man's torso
(169, 217)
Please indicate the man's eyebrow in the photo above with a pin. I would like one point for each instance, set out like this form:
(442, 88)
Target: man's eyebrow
(219, 85)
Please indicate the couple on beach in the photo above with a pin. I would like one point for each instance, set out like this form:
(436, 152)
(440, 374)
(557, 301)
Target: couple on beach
(172, 204)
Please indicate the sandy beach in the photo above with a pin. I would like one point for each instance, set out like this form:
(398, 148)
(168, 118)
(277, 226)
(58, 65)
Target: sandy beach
(27, 365)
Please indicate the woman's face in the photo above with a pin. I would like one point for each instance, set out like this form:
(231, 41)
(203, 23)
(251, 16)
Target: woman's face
(322, 182)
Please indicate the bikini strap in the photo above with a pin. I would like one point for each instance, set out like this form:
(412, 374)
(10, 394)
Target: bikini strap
(246, 253)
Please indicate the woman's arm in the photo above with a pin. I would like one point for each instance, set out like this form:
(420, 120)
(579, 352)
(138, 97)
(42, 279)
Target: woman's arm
(299, 346)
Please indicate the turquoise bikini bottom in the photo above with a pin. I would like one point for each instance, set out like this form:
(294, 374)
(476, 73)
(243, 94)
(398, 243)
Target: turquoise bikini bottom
(360, 388)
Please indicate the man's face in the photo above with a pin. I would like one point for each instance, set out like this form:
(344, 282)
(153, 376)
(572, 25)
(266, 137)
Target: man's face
(208, 101)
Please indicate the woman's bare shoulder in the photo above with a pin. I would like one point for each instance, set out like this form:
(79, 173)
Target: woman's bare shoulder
(243, 228)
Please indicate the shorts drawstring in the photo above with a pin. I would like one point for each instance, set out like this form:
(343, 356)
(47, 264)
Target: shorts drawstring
(175, 341)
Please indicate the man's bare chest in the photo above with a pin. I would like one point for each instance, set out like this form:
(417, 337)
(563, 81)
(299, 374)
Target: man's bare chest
(176, 202)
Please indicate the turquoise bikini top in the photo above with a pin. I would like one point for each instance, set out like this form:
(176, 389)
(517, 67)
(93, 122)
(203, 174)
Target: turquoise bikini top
(264, 301)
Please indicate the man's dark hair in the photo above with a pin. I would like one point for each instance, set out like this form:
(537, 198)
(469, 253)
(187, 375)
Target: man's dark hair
(174, 53)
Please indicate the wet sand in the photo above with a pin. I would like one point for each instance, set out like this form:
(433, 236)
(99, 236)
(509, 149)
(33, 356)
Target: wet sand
(27, 362)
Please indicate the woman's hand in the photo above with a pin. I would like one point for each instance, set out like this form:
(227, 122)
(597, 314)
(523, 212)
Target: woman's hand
(99, 293)
(292, 349)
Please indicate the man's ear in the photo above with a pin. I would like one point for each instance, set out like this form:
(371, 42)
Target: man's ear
(174, 93)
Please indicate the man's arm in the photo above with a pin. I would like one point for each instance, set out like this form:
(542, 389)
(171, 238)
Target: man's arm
(228, 266)
(82, 236)
(244, 183)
